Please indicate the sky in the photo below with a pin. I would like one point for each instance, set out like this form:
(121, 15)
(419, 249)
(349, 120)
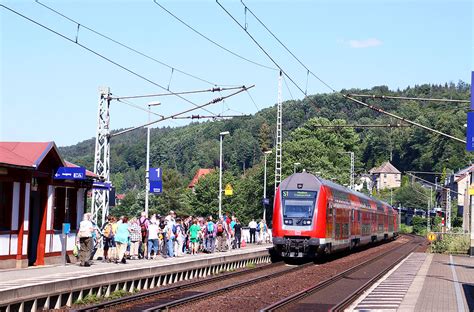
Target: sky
(49, 85)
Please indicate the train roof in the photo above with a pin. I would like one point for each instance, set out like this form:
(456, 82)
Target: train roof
(312, 182)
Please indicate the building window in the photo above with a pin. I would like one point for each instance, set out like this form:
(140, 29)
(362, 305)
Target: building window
(65, 210)
(6, 197)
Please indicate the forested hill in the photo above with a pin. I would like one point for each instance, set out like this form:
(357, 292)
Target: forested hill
(185, 149)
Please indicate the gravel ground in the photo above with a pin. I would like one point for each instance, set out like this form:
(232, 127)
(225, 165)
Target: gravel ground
(260, 295)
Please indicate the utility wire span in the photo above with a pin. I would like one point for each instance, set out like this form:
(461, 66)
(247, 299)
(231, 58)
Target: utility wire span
(216, 100)
(126, 46)
(362, 126)
(168, 94)
(101, 56)
(344, 95)
(404, 119)
(138, 106)
(213, 117)
(383, 97)
(261, 48)
(431, 183)
(288, 50)
(210, 40)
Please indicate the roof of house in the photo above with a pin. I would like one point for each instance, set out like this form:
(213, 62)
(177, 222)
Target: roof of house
(386, 167)
(29, 155)
(201, 172)
(461, 174)
(25, 154)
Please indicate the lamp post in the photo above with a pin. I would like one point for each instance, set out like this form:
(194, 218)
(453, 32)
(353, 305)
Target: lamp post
(221, 137)
(265, 185)
(296, 164)
(147, 174)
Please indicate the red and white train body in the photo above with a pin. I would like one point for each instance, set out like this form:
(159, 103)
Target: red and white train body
(312, 215)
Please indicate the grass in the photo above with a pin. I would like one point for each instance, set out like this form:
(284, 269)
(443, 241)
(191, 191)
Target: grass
(89, 299)
(250, 265)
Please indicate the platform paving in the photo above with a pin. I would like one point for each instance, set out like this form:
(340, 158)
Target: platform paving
(25, 282)
(422, 283)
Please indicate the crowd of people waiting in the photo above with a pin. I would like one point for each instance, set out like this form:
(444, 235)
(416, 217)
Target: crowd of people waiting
(169, 236)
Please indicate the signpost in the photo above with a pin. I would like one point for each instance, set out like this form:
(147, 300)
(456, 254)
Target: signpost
(470, 148)
(66, 230)
(101, 186)
(156, 182)
(70, 173)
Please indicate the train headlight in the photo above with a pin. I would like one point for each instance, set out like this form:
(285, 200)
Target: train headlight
(288, 221)
(307, 222)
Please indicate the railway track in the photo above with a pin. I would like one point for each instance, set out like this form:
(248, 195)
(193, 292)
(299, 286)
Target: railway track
(339, 291)
(161, 299)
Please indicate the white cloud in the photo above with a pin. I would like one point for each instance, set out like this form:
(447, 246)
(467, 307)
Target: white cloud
(367, 43)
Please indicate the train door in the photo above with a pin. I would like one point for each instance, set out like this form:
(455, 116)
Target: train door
(330, 221)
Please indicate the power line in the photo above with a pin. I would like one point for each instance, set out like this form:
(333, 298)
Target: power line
(138, 107)
(344, 95)
(100, 55)
(383, 97)
(213, 117)
(168, 94)
(286, 48)
(261, 48)
(126, 46)
(216, 100)
(362, 126)
(210, 40)
(256, 106)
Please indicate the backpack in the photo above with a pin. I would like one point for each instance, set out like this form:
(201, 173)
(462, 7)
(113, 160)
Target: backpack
(108, 231)
(143, 227)
(210, 227)
(220, 228)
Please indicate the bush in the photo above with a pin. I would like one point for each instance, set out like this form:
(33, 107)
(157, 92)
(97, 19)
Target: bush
(451, 244)
(419, 225)
(406, 229)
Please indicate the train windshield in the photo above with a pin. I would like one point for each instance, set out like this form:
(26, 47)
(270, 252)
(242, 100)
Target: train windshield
(298, 204)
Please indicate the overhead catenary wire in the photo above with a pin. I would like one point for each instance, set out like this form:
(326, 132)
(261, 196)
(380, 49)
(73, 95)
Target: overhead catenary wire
(138, 107)
(179, 92)
(288, 50)
(383, 97)
(213, 117)
(127, 46)
(254, 103)
(216, 100)
(362, 126)
(101, 56)
(430, 183)
(210, 40)
(344, 95)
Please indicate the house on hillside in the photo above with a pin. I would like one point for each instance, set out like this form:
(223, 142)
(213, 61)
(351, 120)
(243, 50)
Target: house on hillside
(34, 203)
(386, 176)
(461, 181)
(200, 173)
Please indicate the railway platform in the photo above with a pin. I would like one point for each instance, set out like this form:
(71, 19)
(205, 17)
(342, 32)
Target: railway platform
(423, 282)
(51, 287)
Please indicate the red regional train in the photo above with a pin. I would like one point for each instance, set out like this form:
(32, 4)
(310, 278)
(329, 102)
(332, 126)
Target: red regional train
(315, 216)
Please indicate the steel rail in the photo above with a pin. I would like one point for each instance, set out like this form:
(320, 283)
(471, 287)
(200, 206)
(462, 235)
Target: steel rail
(144, 295)
(309, 291)
(179, 302)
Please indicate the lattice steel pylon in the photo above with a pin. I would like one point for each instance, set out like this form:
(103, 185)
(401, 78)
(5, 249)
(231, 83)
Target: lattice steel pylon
(100, 198)
(448, 209)
(278, 136)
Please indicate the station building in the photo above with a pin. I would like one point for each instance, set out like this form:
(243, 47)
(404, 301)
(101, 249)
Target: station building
(34, 205)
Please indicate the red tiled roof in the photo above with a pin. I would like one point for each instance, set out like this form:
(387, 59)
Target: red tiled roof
(201, 172)
(24, 154)
(88, 173)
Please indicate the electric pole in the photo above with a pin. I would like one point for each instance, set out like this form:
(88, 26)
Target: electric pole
(100, 197)
(278, 136)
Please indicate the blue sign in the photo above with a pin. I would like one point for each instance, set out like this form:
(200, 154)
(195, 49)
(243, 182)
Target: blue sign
(66, 228)
(155, 174)
(70, 173)
(101, 185)
(472, 90)
(156, 187)
(266, 201)
(470, 132)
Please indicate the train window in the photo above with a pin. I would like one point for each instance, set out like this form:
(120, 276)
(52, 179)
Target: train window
(352, 215)
(358, 216)
(329, 210)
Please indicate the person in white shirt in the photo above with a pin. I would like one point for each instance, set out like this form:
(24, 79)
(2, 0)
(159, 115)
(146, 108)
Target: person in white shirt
(253, 228)
(84, 236)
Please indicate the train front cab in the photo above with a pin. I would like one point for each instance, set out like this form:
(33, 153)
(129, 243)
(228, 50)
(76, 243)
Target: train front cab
(296, 217)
